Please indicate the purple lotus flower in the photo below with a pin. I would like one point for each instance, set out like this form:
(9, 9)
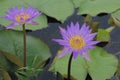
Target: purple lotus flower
(77, 40)
(21, 16)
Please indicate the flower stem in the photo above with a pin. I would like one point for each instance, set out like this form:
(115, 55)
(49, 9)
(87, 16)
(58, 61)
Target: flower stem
(69, 66)
(24, 43)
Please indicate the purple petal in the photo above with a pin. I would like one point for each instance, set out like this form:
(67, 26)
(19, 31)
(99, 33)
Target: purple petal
(12, 25)
(75, 54)
(63, 32)
(92, 42)
(22, 9)
(83, 29)
(86, 56)
(69, 32)
(61, 42)
(89, 47)
(93, 35)
(76, 28)
(64, 52)
(90, 37)
(29, 10)
(71, 28)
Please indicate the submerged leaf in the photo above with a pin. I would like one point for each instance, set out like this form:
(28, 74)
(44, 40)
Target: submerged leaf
(94, 26)
(13, 58)
(6, 75)
(4, 64)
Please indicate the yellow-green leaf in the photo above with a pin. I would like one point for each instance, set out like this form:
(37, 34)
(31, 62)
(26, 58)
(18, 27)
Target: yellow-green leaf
(6, 75)
(103, 35)
(13, 58)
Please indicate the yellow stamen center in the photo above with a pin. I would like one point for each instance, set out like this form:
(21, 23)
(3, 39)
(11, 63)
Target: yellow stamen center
(77, 42)
(22, 17)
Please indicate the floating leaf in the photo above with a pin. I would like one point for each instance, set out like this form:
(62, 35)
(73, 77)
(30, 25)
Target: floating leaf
(59, 9)
(94, 7)
(110, 29)
(103, 35)
(116, 14)
(102, 66)
(78, 67)
(6, 4)
(77, 3)
(14, 41)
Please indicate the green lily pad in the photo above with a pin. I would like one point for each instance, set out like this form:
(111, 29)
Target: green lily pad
(103, 35)
(116, 14)
(12, 42)
(77, 3)
(59, 9)
(101, 67)
(6, 4)
(94, 7)
(78, 66)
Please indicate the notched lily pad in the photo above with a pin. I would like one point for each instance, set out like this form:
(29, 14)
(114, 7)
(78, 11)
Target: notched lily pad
(102, 66)
(94, 7)
(59, 9)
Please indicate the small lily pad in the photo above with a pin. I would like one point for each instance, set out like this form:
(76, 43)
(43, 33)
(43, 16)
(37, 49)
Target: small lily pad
(103, 35)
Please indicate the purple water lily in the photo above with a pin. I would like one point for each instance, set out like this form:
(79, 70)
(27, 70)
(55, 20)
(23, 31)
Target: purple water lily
(77, 40)
(21, 16)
